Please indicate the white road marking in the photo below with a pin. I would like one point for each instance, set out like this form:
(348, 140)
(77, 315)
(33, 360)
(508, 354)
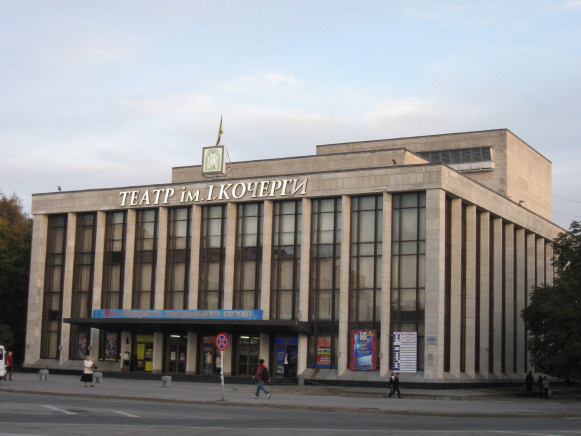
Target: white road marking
(129, 415)
(56, 409)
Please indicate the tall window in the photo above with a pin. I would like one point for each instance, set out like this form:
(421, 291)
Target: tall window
(325, 260)
(408, 269)
(248, 261)
(82, 283)
(114, 260)
(145, 259)
(324, 281)
(286, 255)
(212, 257)
(178, 258)
(365, 261)
(53, 286)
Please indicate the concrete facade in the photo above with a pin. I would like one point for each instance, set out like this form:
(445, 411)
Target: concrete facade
(484, 250)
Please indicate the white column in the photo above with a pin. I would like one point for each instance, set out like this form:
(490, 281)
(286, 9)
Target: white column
(385, 286)
(196, 232)
(100, 227)
(484, 290)
(228, 357)
(521, 282)
(549, 269)
(265, 349)
(303, 314)
(540, 262)
(157, 362)
(192, 356)
(68, 289)
(265, 285)
(497, 295)
(509, 294)
(305, 261)
(129, 259)
(470, 315)
(435, 282)
(230, 254)
(343, 358)
(159, 287)
(456, 286)
(531, 275)
(36, 289)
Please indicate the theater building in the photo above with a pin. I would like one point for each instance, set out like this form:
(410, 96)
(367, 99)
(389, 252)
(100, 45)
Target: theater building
(412, 254)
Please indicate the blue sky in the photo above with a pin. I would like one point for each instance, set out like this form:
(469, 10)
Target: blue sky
(98, 94)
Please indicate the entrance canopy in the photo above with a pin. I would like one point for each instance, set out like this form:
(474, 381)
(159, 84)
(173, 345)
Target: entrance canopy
(206, 326)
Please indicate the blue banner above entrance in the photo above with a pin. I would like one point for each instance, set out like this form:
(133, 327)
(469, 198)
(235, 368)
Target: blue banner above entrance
(252, 315)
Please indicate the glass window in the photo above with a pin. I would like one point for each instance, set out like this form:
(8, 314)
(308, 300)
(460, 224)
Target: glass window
(285, 263)
(408, 274)
(248, 256)
(212, 257)
(177, 258)
(145, 259)
(365, 260)
(325, 259)
(53, 287)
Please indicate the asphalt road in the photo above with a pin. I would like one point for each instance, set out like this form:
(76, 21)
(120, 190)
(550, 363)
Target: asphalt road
(33, 414)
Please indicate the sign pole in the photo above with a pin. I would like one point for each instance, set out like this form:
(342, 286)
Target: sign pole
(221, 343)
(222, 371)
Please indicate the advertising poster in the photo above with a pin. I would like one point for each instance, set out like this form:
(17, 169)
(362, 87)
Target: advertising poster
(324, 352)
(111, 346)
(363, 350)
(405, 352)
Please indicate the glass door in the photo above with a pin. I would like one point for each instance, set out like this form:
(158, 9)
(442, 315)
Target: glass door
(176, 354)
(247, 355)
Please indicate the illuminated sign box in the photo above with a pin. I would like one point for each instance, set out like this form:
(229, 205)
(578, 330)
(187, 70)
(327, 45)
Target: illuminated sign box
(250, 315)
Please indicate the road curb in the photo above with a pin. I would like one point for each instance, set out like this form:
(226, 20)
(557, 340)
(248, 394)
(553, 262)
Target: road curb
(365, 410)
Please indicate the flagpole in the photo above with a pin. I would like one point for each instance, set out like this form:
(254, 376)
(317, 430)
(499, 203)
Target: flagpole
(220, 131)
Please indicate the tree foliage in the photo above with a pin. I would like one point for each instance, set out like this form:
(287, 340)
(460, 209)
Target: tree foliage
(553, 317)
(15, 239)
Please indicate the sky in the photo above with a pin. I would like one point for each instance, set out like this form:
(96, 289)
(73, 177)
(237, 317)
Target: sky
(104, 94)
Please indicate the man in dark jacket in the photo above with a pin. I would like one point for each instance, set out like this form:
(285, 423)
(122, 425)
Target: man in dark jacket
(395, 386)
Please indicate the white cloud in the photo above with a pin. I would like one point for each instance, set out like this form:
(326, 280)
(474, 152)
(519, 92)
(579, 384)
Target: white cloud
(85, 51)
(278, 79)
(573, 4)
(261, 82)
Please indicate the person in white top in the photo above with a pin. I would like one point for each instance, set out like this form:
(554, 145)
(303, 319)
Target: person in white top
(87, 376)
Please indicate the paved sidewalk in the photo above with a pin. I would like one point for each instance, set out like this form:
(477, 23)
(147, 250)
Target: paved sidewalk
(477, 403)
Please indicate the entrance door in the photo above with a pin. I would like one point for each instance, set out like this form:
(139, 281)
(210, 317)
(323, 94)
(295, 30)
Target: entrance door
(142, 359)
(247, 354)
(176, 354)
(208, 364)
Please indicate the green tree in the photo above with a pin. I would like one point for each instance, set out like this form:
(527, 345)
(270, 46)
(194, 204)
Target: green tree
(15, 239)
(553, 317)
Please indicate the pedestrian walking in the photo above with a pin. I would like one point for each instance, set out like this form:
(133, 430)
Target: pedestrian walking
(546, 388)
(540, 386)
(529, 382)
(390, 385)
(263, 376)
(395, 386)
(9, 365)
(126, 361)
(88, 367)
